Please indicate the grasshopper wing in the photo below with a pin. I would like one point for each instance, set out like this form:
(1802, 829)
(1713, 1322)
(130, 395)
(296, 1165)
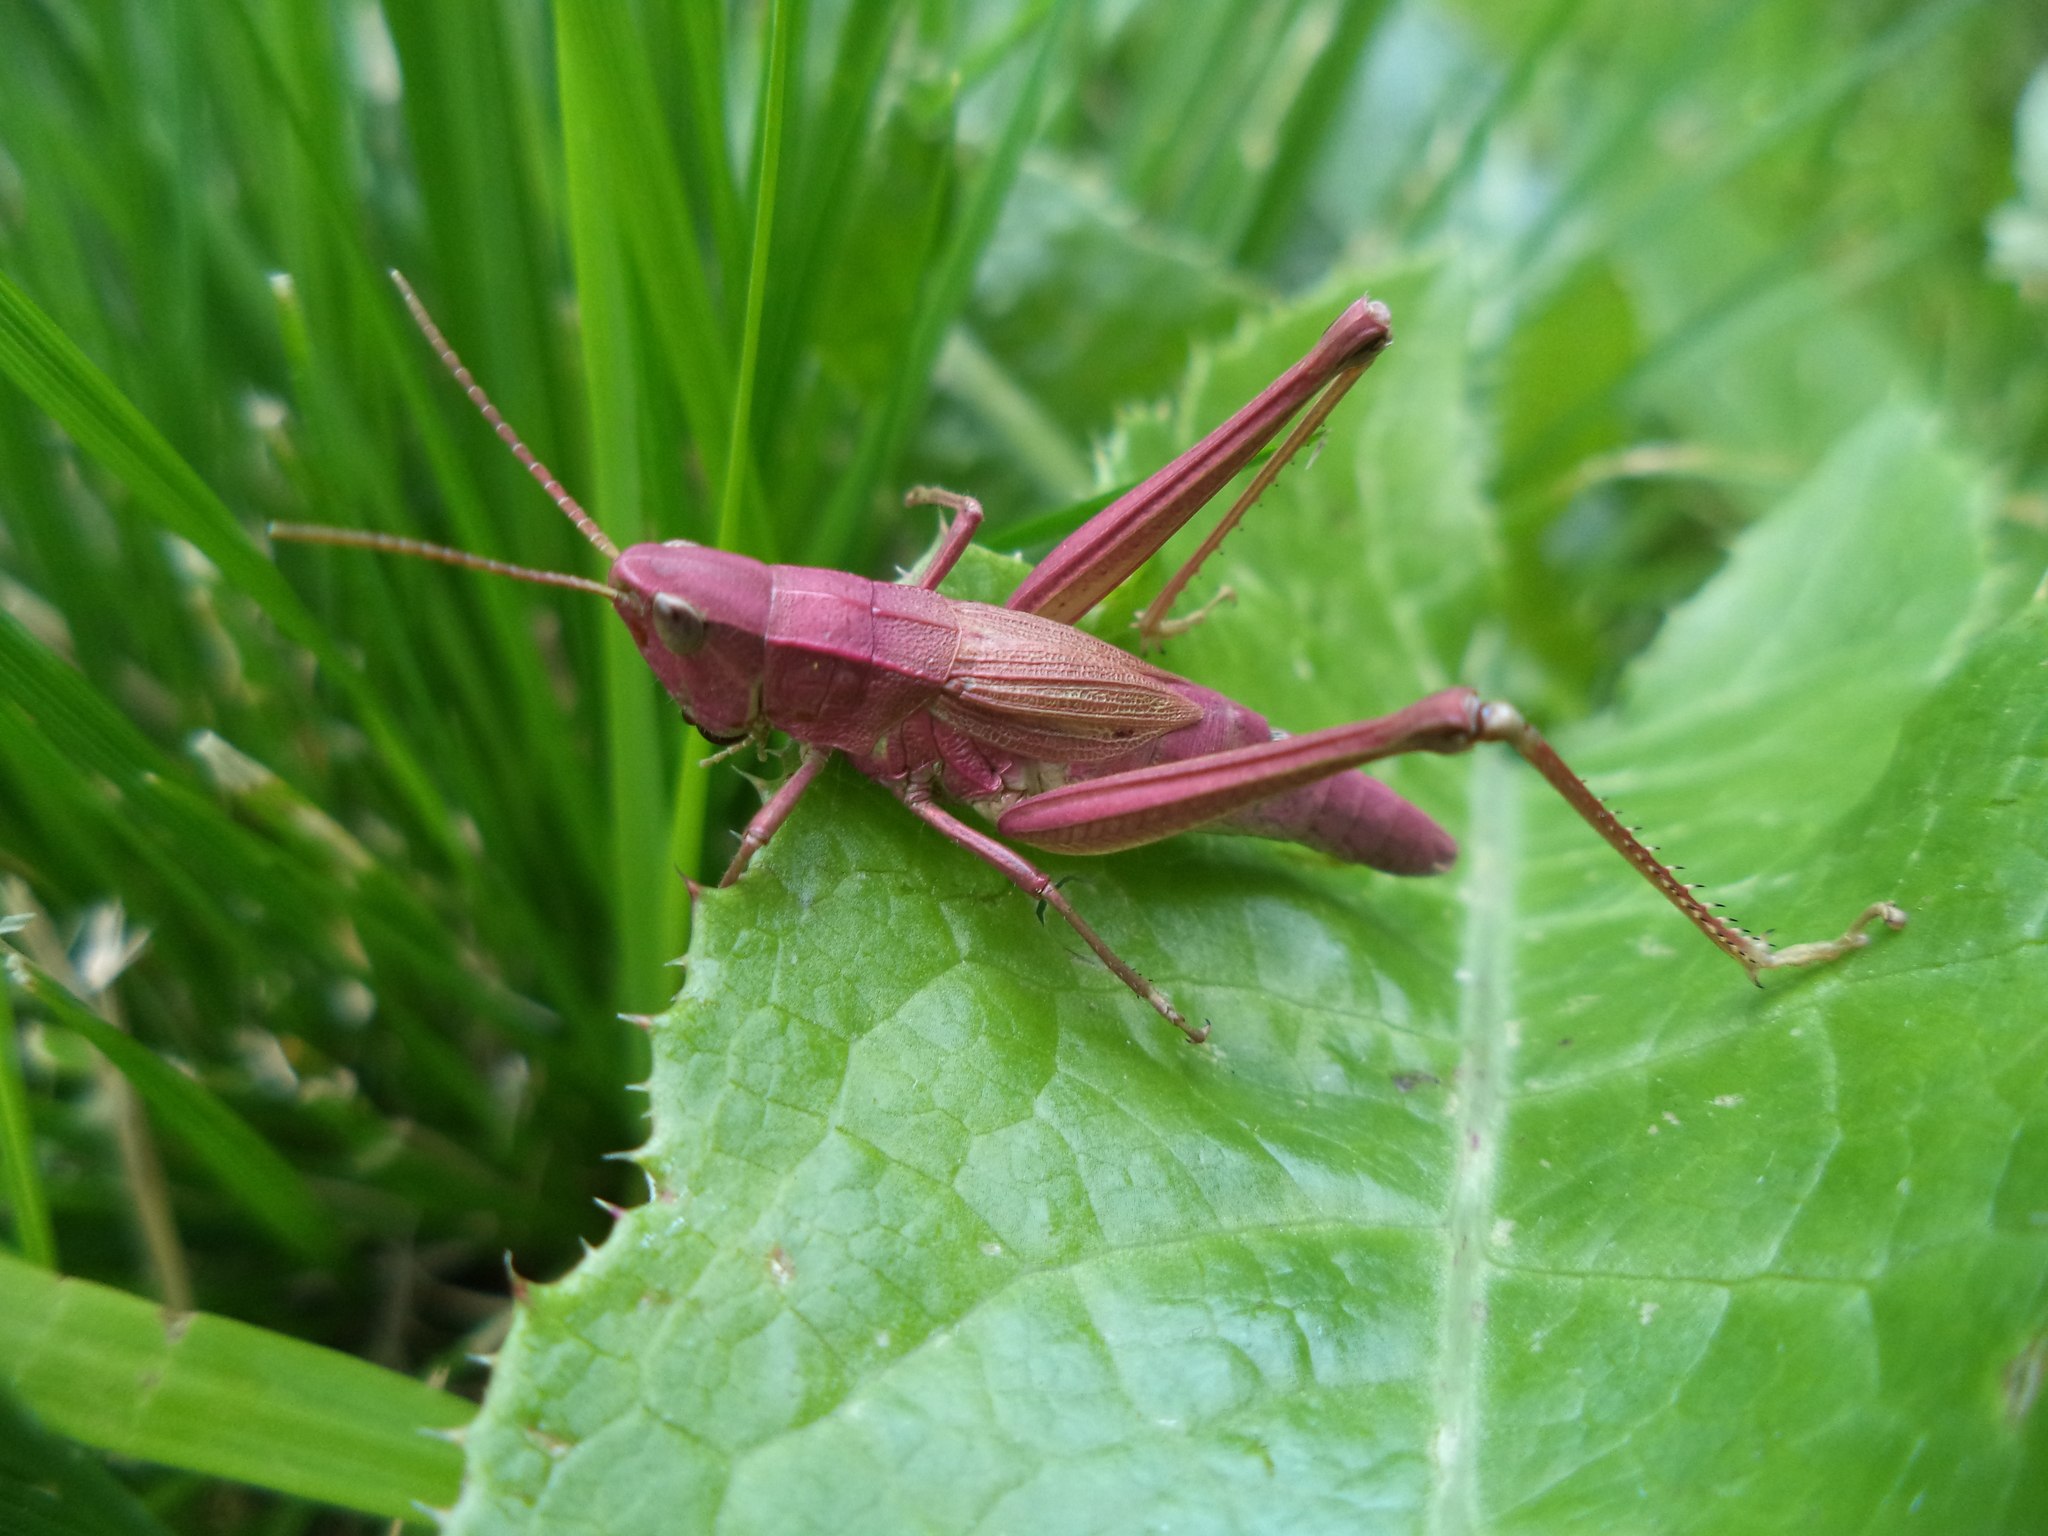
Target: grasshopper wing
(1050, 692)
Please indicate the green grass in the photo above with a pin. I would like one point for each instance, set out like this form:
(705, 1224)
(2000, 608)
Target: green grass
(348, 864)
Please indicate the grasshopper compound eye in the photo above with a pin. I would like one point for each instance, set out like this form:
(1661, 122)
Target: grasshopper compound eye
(677, 625)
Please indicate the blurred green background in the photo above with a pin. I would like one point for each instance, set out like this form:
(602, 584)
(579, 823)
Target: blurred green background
(372, 853)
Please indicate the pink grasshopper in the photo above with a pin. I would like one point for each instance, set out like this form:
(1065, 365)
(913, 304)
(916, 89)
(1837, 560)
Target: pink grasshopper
(1063, 741)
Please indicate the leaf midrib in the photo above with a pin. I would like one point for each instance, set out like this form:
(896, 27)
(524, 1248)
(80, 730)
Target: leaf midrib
(1486, 974)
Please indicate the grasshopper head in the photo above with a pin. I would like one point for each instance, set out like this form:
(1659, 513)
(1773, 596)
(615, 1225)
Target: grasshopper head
(699, 616)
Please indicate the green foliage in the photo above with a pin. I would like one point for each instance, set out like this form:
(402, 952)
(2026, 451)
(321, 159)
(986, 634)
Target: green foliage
(1542, 1214)
(219, 1396)
(1714, 435)
(50, 1486)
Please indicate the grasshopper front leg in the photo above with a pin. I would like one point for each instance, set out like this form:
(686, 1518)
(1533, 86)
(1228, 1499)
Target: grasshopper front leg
(775, 812)
(959, 534)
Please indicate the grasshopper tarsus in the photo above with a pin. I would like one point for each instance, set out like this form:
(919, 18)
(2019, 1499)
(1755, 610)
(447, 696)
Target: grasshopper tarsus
(966, 519)
(1822, 952)
(1154, 633)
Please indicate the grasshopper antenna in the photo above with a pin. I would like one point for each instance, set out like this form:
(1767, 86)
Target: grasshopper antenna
(570, 506)
(392, 544)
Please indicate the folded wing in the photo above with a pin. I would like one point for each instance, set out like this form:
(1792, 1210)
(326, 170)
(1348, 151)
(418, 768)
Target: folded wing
(1052, 693)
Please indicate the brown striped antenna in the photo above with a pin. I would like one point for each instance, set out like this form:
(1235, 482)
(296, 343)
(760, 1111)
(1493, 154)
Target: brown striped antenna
(419, 549)
(571, 507)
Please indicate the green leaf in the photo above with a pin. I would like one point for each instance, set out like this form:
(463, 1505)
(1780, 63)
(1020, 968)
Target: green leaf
(2019, 229)
(1498, 1202)
(216, 1396)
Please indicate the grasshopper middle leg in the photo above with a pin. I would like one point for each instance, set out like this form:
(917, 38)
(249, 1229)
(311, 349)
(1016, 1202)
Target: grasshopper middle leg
(1034, 883)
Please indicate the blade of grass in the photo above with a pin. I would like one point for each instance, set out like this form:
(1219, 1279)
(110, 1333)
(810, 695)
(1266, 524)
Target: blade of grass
(701, 38)
(971, 374)
(1310, 117)
(1227, 86)
(768, 167)
(607, 83)
(489, 705)
(635, 760)
(1538, 47)
(69, 739)
(19, 1176)
(246, 1165)
(686, 819)
(75, 742)
(65, 384)
(945, 295)
(359, 280)
(818, 196)
(219, 1397)
(518, 691)
(479, 192)
(1176, 103)
(515, 699)
(686, 834)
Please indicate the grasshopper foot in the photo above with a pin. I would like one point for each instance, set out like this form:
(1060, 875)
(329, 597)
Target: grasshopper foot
(1761, 957)
(1154, 630)
(1160, 1001)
